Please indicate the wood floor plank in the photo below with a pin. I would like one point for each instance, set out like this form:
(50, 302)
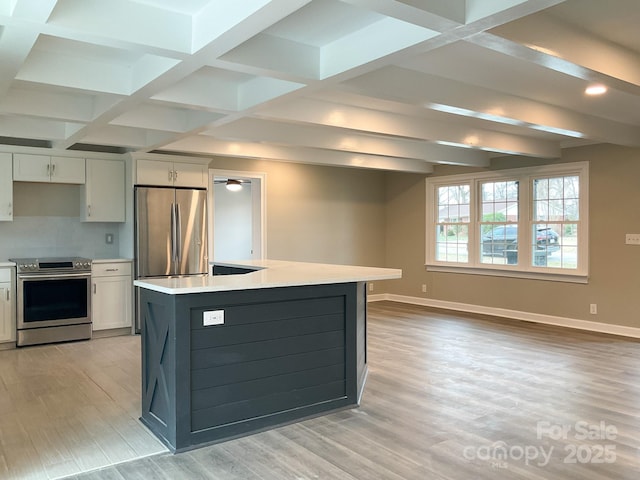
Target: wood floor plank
(449, 397)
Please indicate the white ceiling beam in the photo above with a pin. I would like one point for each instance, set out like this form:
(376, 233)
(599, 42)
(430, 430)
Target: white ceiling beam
(447, 15)
(126, 136)
(465, 99)
(59, 106)
(38, 128)
(343, 116)
(231, 38)
(330, 138)
(157, 117)
(48, 68)
(37, 11)
(121, 19)
(15, 46)
(566, 49)
(209, 146)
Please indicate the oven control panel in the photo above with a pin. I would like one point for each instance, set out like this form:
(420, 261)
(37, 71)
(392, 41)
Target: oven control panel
(53, 265)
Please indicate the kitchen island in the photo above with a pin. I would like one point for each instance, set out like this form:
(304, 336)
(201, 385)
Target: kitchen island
(255, 345)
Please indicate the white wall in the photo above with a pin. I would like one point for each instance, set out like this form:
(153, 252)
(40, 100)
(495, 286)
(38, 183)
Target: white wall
(232, 218)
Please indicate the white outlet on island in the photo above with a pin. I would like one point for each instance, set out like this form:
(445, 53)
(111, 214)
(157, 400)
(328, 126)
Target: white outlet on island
(213, 317)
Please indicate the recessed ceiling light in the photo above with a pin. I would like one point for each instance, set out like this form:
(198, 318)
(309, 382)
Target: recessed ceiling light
(595, 90)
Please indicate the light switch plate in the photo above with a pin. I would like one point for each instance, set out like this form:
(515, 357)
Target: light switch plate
(213, 317)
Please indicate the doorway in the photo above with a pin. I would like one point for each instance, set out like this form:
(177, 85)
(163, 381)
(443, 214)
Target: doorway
(236, 217)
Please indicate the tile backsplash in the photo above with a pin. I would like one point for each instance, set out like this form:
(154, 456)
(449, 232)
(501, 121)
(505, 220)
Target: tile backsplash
(32, 236)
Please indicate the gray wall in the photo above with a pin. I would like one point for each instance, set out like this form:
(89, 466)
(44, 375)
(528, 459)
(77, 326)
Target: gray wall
(47, 223)
(614, 280)
(320, 214)
(368, 217)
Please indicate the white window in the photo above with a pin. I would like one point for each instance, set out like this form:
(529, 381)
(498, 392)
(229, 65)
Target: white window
(452, 227)
(529, 222)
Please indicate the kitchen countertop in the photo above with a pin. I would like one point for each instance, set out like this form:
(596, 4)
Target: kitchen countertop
(7, 264)
(269, 274)
(111, 260)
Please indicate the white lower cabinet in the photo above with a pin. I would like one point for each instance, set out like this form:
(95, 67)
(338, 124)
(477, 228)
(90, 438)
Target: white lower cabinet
(7, 310)
(112, 290)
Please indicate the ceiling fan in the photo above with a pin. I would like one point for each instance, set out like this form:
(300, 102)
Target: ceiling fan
(233, 184)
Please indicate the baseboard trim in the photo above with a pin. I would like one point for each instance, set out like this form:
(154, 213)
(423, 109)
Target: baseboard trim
(575, 323)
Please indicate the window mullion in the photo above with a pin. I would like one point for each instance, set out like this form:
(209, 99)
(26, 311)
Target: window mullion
(525, 225)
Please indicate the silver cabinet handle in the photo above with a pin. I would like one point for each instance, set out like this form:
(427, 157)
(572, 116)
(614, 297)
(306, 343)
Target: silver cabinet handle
(48, 169)
(175, 175)
(53, 169)
(111, 269)
(170, 175)
(9, 209)
(88, 210)
(8, 295)
(94, 288)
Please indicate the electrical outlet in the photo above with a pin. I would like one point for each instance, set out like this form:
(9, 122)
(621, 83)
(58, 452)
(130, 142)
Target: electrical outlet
(593, 309)
(213, 317)
(632, 239)
(108, 238)
(371, 287)
(424, 288)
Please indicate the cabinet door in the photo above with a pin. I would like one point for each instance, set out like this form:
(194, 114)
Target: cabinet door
(31, 168)
(104, 192)
(6, 187)
(111, 302)
(67, 170)
(7, 320)
(153, 172)
(190, 175)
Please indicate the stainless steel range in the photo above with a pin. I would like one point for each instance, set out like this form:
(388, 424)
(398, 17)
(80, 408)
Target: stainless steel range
(53, 299)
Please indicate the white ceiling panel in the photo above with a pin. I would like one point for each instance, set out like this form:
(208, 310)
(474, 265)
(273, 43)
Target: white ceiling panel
(385, 84)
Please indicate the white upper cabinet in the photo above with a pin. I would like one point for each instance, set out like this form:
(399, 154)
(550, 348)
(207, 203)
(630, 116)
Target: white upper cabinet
(43, 168)
(173, 174)
(103, 195)
(190, 175)
(6, 187)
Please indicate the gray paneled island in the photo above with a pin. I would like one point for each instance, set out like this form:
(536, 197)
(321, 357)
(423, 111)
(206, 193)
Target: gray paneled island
(254, 345)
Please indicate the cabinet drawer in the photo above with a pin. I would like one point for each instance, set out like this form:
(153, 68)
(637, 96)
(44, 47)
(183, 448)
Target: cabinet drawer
(111, 269)
(6, 274)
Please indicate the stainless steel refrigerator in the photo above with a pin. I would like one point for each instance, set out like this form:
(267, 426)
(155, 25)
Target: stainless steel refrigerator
(170, 233)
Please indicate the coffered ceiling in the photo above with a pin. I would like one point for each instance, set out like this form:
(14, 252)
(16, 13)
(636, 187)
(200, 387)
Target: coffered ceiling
(389, 84)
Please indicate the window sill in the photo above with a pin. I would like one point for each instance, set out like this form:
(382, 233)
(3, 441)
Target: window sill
(495, 272)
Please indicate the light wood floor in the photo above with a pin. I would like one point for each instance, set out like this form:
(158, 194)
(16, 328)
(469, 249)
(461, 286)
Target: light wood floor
(70, 408)
(446, 394)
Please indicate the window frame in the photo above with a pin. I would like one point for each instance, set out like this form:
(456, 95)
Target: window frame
(526, 218)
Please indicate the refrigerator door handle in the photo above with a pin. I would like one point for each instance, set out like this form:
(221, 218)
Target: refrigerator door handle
(178, 236)
(174, 240)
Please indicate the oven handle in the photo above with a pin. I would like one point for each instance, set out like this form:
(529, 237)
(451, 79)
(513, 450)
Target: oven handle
(54, 276)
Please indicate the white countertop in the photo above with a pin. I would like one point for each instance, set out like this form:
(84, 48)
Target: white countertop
(111, 260)
(7, 264)
(272, 273)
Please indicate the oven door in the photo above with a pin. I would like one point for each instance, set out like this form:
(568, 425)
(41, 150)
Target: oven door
(53, 299)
